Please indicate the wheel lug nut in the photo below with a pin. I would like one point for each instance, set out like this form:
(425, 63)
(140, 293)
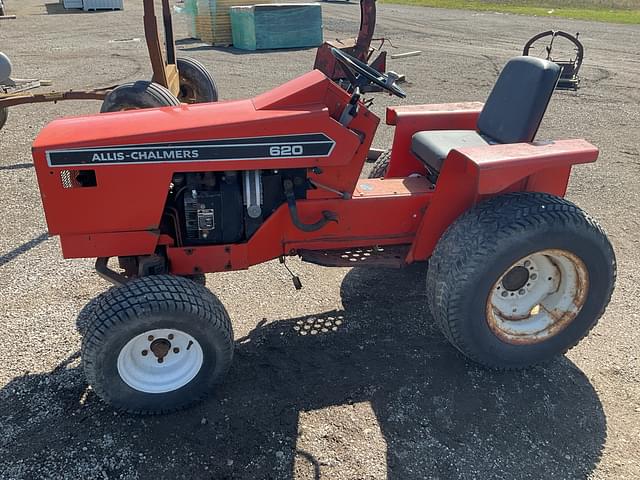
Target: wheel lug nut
(176, 350)
(150, 338)
(160, 360)
(170, 336)
(145, 352)
(533, 276)
(522, 291)
(527, 263)
(505, 293)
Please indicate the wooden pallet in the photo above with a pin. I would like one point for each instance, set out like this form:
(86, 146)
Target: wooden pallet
(213, 20)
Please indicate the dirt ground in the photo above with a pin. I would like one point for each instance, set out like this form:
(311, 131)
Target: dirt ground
(382, 397)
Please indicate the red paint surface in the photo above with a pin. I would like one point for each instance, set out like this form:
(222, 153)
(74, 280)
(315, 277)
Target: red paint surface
(121, 215)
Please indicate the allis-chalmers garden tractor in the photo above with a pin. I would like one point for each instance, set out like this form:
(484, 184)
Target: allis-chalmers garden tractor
(516, 273)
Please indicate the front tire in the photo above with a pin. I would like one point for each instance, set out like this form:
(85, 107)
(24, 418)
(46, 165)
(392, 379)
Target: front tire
(157, 344)
(520, 279)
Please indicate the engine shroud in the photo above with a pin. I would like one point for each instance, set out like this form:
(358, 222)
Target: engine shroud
(209, 208)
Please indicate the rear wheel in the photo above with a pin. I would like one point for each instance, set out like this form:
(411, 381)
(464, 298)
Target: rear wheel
(381, 165)
(196, 83)
(138, 95)
(157, 344)
(520, 279)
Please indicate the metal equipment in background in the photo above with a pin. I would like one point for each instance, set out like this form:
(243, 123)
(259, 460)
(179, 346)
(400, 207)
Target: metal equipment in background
(569, 79)
(174, 79)
(359, 47)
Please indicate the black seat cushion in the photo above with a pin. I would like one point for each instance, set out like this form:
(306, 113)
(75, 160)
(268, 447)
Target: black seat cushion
(433, 146)
(512, 113)
(516, 105)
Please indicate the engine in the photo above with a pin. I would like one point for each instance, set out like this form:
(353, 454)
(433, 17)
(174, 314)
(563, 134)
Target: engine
(208, 208)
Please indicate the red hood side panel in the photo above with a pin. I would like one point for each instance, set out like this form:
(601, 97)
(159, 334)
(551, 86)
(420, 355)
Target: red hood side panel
(131, 196)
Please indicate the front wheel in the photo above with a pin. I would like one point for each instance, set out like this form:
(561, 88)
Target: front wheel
(519, 279)
(157, 344)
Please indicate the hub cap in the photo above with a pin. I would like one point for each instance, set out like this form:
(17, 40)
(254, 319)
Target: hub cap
(537, 296)
(160, 360)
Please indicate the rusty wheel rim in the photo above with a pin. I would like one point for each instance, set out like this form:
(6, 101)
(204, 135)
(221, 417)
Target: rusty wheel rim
(537, 297)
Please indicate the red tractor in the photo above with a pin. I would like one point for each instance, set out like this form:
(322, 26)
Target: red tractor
(516, 274)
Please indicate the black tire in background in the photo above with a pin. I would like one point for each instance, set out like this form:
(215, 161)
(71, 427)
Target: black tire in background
(381, 165)
(4, 113)
(138, 95)
(196, 83)
(481, 245)
(145, 304)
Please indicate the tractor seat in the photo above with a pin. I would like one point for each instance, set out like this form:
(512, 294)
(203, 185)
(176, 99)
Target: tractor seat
(432, 147)
(511, 114)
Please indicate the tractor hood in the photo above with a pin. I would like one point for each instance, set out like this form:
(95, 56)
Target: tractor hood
(126, 160)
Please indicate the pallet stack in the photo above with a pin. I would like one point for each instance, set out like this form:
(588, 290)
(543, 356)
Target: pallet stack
(102, 5)
(87, 5)
(276, 25)
(189, 9)
(72, 3)
(213, 21)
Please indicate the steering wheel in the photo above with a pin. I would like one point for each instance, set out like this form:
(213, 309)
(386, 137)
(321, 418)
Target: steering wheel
(354, 68)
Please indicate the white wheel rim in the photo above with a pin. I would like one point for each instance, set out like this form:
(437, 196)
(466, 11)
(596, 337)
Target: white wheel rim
(537, 297)
(160, 361)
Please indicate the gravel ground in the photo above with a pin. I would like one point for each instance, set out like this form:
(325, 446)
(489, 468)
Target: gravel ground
(383, 397)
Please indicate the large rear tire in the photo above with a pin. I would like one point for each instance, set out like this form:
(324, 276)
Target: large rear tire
(520, 279)
(138, 95)
(157, 344)
(196, 83)
(381, 165)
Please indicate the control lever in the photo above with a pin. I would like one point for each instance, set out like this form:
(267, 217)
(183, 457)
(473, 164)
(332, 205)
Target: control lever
(296, 279)
(350, 109)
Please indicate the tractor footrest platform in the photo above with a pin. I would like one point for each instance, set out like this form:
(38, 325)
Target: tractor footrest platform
(390, 256)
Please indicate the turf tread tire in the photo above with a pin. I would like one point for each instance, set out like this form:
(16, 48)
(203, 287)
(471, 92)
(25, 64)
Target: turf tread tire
(381, 165)
(477, 237)
(122, 307)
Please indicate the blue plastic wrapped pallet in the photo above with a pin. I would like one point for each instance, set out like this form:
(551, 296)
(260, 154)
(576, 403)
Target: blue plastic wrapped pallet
(276, 25)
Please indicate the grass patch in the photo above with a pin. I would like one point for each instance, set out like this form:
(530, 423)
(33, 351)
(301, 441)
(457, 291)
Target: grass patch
(613, 11)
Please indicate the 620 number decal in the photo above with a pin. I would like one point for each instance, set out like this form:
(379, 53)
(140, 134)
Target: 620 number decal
(285, 150)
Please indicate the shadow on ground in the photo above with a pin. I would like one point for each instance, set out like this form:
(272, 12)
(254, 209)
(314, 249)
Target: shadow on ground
(183, 46)
(25, 247)
(440, 416)
(16, 166)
